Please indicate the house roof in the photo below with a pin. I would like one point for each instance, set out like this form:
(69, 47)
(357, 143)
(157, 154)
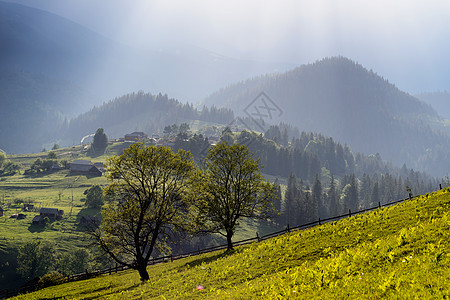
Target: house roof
(81, 162)
(136, 133)
(37, 218)
(50, 211)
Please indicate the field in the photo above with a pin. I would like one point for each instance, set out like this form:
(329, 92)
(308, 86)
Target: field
(61, 190)
(399, 252)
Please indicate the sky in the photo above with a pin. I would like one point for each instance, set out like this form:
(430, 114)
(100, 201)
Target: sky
(406, 42)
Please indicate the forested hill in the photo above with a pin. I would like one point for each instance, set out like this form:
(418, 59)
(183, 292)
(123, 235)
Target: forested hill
(342, 99)
(439, 100)
(140, 112)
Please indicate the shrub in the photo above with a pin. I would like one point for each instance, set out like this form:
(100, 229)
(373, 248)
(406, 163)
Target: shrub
(49, 279)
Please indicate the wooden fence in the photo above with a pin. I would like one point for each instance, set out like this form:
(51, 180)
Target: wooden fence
(158, 260)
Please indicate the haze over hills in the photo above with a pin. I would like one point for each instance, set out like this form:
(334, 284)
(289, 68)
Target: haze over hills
(439, 100)
(342, 99)
(36, 41)
(50, 62)
(53, 68)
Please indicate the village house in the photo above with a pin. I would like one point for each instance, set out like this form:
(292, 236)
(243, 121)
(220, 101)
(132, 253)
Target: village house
(37, 220)
(85, 166)
(51, 213)
(136, 136)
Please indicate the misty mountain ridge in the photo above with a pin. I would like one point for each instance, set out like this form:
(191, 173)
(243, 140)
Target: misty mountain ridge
(340, 98)
(439, 100)
(36, 41)
(334, 96)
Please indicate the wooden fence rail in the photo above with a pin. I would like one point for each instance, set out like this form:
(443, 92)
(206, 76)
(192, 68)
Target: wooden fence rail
(10, 293)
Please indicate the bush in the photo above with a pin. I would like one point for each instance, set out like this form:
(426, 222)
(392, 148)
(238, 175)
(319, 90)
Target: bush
(49, 279)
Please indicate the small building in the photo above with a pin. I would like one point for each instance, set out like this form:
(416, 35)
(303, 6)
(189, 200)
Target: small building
(85, 166)
(37, 220)
(52, 213)
(100, 166)
(81, 165)
(136, 136)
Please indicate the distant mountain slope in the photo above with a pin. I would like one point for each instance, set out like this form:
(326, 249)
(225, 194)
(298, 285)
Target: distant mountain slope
(139, 112)
(70, 57)
(340, 98)
(440, 101)
(38, 41)
(33, 107)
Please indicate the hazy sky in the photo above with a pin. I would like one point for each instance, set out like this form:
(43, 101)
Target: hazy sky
(407, 42)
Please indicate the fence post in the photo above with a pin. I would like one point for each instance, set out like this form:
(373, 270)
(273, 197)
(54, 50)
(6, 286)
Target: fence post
(287, 228)
(257, 237)
(349, 212)
(116, 267)
(379, 204)
(319, 222)
(440, 186)
(171, 257)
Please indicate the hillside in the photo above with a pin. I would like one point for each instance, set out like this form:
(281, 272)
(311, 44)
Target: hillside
(394, 252)
(439, 100)
(58, 67)
(340, 98)
(139, 112)
(34, 108)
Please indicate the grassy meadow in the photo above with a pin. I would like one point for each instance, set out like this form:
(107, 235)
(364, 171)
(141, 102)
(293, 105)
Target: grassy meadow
(397, 252)
(62, 190)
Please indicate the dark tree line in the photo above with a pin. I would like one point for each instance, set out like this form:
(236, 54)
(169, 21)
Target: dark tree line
(342, 99)
(303, 204)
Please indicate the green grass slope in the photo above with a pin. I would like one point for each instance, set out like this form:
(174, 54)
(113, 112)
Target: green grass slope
(400, 252)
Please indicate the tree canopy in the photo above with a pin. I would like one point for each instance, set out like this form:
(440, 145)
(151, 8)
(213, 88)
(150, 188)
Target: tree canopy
(151, 194)
(100, 141)
(94, 196)
(234, 189)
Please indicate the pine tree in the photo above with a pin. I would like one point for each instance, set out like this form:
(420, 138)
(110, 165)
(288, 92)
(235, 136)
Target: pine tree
(291, 211)
(100, 141)
(317, 197)
(375, 195)
(333, 204)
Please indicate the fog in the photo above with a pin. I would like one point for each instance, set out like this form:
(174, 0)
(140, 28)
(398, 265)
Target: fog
(404, 41)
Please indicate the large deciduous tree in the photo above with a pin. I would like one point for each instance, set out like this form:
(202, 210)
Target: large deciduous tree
(234, 189)
(35, 259)
(94, 196)
(151, 195)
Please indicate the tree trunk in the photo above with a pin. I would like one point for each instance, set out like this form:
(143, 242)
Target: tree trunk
(229, 243)
(143, 272)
